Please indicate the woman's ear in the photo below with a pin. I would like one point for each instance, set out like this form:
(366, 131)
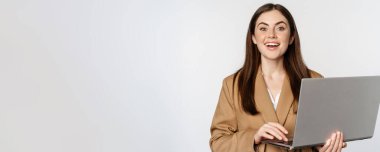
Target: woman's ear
(254, 39)
(291, 40)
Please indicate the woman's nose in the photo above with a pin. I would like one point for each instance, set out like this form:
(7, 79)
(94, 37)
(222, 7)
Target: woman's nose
(272, 34)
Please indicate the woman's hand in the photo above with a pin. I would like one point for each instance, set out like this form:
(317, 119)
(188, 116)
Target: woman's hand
(270, 130)
(334, 144)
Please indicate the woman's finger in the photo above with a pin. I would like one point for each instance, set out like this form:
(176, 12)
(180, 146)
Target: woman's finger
(278, 131)
(336, 143)
(274, 134)
(332, 143)
(262, 133)
(340, 142)
(326, 146)
(270, 131)
(279, 126)
(267, 136)
(318, 148)
(344, 145)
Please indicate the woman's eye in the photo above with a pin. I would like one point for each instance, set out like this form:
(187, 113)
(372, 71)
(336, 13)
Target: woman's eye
(281, 28)
(263, 29)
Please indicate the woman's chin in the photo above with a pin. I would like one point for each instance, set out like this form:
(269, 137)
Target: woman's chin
(277, 57)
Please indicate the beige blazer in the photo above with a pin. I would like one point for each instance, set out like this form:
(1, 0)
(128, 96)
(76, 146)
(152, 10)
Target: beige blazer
(232, 129)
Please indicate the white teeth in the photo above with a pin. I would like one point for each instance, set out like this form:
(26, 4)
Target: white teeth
(272, 44)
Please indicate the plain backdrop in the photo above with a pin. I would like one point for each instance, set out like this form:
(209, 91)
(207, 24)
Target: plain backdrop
(145, 75)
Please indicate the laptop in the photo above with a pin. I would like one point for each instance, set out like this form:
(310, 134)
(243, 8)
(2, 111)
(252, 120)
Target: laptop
(327, 105)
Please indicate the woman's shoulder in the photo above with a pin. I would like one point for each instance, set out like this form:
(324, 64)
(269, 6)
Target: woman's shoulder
(230, 79)
(315, 74)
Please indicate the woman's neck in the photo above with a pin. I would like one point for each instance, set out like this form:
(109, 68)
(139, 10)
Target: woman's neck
(272, 68)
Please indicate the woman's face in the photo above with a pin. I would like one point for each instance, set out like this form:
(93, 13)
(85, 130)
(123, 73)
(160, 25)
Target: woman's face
(272, 35)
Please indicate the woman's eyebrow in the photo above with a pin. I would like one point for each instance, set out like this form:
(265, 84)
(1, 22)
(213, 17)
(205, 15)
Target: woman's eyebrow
(262, 23)
(266, 24)
(280, 23)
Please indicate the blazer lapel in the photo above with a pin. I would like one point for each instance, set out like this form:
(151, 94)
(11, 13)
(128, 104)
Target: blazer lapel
(285, 101)
(263, 103)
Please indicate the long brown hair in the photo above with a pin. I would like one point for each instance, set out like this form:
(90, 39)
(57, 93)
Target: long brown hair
(293, 63)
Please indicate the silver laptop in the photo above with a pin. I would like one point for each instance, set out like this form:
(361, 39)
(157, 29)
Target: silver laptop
(326, 105)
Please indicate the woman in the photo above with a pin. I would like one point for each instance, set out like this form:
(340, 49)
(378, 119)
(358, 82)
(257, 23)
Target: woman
(259, 101)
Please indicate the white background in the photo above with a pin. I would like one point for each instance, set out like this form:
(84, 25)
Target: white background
(145, 75)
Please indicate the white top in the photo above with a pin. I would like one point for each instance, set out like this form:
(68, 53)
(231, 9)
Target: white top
(274, 99)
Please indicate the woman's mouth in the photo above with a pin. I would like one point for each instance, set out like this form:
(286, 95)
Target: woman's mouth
(272, 45)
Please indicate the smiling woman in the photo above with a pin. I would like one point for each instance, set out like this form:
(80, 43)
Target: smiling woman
(259, 101)
(272, 35)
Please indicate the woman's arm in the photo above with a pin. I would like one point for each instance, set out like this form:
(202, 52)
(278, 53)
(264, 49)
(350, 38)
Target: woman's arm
(225, 134)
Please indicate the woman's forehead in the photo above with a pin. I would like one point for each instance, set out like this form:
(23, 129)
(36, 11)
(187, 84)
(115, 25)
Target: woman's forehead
(271, 18)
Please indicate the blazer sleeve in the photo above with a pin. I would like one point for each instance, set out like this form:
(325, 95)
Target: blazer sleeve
(225, 134)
